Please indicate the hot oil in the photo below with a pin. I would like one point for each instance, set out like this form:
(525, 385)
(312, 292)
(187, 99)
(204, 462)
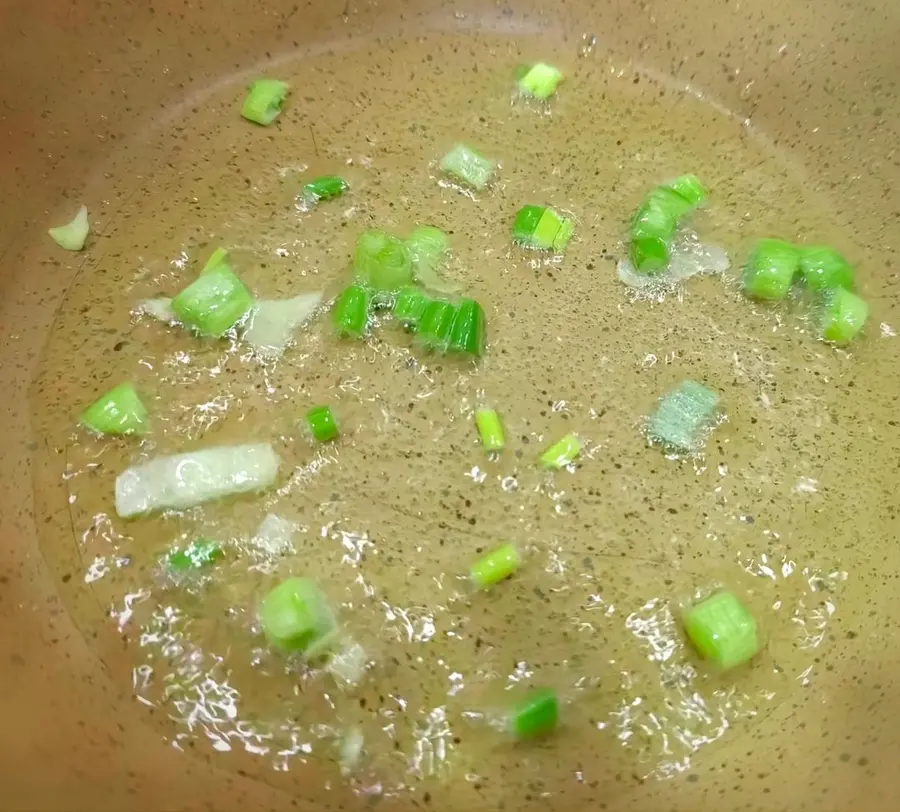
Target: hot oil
(391, 515)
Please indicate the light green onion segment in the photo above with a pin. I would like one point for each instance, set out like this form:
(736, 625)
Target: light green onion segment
(562, 453)
(771, 269)
(540, 81)
(542, 229)
(842, 316)
(722, 630)
(73, 235)
(490, 430)
(264, 101)
(382, 261)
(322, 423)
(494, 567)
(324, 188)
(350, 312)
(118, 411)
(536, 715)
(654, 224)
(214, 302)
(296, 617)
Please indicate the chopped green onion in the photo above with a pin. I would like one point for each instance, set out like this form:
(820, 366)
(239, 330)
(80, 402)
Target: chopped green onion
(382, 261)
(216, 258)
(427, 247)
(468, 332)
(682, 416)
(324, 188)
(494, 567)
(527, 219)
(272, 322)
(541, 229)
(264, 101)
(436, 325)
(183, 480)
(823, 268)
(490, 430)
(322, 424)
(119, 411)
(843, 316)
(295, 616)
(669, 202)
(159, 309)
(198, 553)
(536, 715)
(350, 312)
(468, 166)
(656, 221)
(722, 630)
(540, 81)
(409, 307)
(770, 270)
(562, 453)
(689, 188)
(214, 302)
(73, 235)
(649, 254)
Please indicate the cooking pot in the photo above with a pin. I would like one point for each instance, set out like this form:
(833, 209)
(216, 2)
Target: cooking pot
(90, 91)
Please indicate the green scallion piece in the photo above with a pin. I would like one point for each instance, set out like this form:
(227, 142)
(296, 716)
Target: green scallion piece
(649, 254)
(468, 167)
(541, 229)
(842, 316)
(562, 453)
(490, 430)
(264, 101)
(73, 235)
(324, 188)
(214, 302)
(689, 188)
(823, 268)
(119, 411)
(540, 81)
(656, 221)
(669, 202)
(409, 307)
(527, 219)
(652, 229)
(382, 261)
(682, 416)
(216, 258)
(199, 553)
(494, 567)
(468, 332)
(722, 630)
(322, 423)
(350, 312)
(436, 325)
(771, 269)
(295, 616)
(536, 715)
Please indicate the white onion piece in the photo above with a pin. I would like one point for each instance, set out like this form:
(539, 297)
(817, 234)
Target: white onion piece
(272, 322)
(184, 480)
